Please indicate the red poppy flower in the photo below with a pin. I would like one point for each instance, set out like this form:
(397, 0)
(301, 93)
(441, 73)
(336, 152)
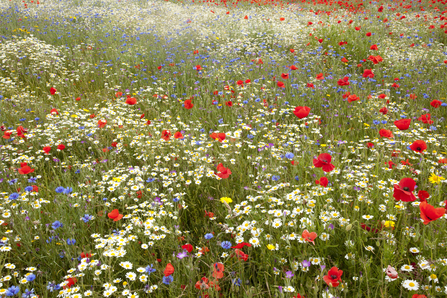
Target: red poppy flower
(343, 82)
(320, 76)
(188, 104)
(85, 255)
(102, 123)
(280, 84)
(344, 60)
(54, 112)
(35, 188)
(324, 162)
(402, 124)
(395, 85)
(292, 50)
(367, 73)
(118, 94)
(131, 100)
(418, 296)
(178, 135)
(198, 67)
(310, 85)
(7, 134)
(404, 190)
(218, 136)
(25, 169)
(293, 67)
(423, 195)
(333, 277)
(61, 147)
(165, 135)
(285, 76)
(374, 47)
(370, 145)
(309, 237)
(187, 247)
(352, 98)
(241, 245)
(240, 83)
(384, 110)
(301, 112)
(224, 172)
(385, 133)
(444, 160)
(436, 103)
(323, 181)
(241, 254)
(391, 272)
(418, 146)
(21, 131)
(382, 96)
(115, 215)
(430, 213)
(218, 270)
(357, 28)
(53, 90)
(70, 282)
(426, 119)
(168, 270)
(229, 103)
(202, 284)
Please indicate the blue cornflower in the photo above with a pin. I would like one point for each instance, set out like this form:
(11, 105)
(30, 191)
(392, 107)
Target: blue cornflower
(290, 155)
(376, 122)
(226, 244)
(12, 182)
(32, 180)
(71, 241)
(14, 196)
(250, 136)
(31, 277)
(433, 128)
(208, 236)
(29, 188)
(78, 171)
(150, 269)
(13, 290)
(60, 189)
(57, 224)
(220, 120)
(149, 180)
(175, 200)
(275, 177)
(68, 190)
(28, 293)
(168, 279)
(86, 218)
(236, 282)
(297, 178)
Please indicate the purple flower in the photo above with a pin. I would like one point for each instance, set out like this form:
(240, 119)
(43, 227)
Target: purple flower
(306, 263)
(182, 255)
(289, 274)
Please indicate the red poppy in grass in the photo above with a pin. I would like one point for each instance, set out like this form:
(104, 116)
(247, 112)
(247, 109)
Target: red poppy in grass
(218, 136)
(61, 147)
(343, 82)
(209, 214)
(443, 160)
(218, 270)
(310, 85)
(323, 181)
(280, 84)
(241, 254)
(70, 282)
(21, 131)
(352, 98)
(165, 135)
(391, 272)
(367, 73)
(102, 123)
(224, 172)
(320, 76)
(301, 112)
(383, 110)
(187, 247)
(115, 215)
(344, 60)
(426, 119)
(118, 94)
(202, 284)
(309, 237)
(188, 104)
(370, 145)
(380, 9)
(247, 81)
(169, 270)
(391, 164)
(240, 83)
(54, 112)
(229, 103)
(423, 195)
(324, 162)
(53, 90)
(369, 229)
(374, 47)
(430, 213)
(241, 245)
(92, 116)
(292, 50)
(382, 96)
(35, 188)
(404, 190)
(293, 67)
(285, 76)
(131, 100)
(114, 144)
(436, 103)
(385, 133)
(357, 28)
(198, 67)
(333, 277)
(178, 135)
(418, 146)
(320, 40)
(25, 169)
(368, 34)
(7, 134)
(85, 255)
(402, 124)
(418, 296)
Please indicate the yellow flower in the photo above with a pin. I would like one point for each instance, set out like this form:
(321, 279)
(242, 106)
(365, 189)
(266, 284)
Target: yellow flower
(435, 179)
(227, 200)
(270, 246)
(389, 223)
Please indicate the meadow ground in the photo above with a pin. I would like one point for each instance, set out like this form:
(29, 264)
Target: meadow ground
(223, 149)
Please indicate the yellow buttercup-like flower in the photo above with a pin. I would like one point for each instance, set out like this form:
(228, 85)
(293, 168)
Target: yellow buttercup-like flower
(270, 246)
(227, 200)
(435, 179)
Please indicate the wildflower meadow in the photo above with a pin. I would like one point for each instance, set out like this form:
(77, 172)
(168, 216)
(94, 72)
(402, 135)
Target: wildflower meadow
(217, 148)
